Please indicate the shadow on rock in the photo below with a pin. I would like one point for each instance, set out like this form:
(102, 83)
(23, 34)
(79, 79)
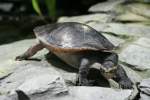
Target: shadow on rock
(22, 95)
(55, 61)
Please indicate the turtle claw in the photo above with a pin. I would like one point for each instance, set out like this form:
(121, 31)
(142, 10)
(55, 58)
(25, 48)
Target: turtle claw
(126, 84)
(84, 82)
(21, 57)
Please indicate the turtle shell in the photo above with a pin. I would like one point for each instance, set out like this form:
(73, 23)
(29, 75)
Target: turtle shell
(71, 37)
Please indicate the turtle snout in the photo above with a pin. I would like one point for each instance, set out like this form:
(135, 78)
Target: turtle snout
(108, 71)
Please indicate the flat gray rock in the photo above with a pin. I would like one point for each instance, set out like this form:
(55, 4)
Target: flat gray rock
(129, 30)
(131, 17)
(43, 83)
(145, 89)
(137, 55)
(9, 97)
(5, 98)
(33, 77)
(133, 12)
(133, 76)
(87, 18)
(134, 30)
(10, 51)
(144, 42)
(108, 6)
(144, 97)
(89, 93)
(142, 9)
(145, 86)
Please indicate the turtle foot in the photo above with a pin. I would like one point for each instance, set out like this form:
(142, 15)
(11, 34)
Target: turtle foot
(83, 82)
(21, 57)
(126, 84)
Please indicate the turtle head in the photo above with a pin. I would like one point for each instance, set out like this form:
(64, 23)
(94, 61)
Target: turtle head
(108, 73)
(108, 69)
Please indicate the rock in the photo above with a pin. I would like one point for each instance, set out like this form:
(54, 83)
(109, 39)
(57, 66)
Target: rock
(139, 9)
(70, 78)
(144, 97)
(115, 40)
(122, 29)
(145, 86)
(108, 6)
(137, 55)
(6, 7)
(10, 51)
(9, 97)
(43, 83)
(87, 18)
(129, 30)
(144, 42)
(133, 76)
(145, 89)
(124, 12)
(76, 93)
(90, 93)
(130, 17)
(33, 77)
(3, 97)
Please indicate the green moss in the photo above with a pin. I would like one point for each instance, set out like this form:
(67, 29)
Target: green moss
(3, 72)
(116, 35)
(143, 73)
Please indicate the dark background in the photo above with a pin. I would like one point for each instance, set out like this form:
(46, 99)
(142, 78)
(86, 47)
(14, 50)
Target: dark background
(18, 18)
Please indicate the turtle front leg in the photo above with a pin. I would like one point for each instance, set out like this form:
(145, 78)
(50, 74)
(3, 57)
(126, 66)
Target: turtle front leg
(83, 72)
(30, 52)
(122, 78)
(116, 72)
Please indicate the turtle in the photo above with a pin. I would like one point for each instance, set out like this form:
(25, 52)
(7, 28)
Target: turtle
(81, 47)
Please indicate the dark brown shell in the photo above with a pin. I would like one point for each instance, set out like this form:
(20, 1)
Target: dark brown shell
(71, 36)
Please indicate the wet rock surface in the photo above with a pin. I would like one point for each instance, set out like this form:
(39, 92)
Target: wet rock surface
(44, 77)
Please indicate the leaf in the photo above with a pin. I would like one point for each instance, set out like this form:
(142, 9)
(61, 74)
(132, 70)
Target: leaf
(51, 6)
(36, 6)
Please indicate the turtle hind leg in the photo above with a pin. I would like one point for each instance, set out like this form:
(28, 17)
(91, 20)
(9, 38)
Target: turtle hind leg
(122, 78)
(30, 52)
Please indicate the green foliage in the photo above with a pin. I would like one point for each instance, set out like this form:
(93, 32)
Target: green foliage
(36, 6)
(50, 5)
